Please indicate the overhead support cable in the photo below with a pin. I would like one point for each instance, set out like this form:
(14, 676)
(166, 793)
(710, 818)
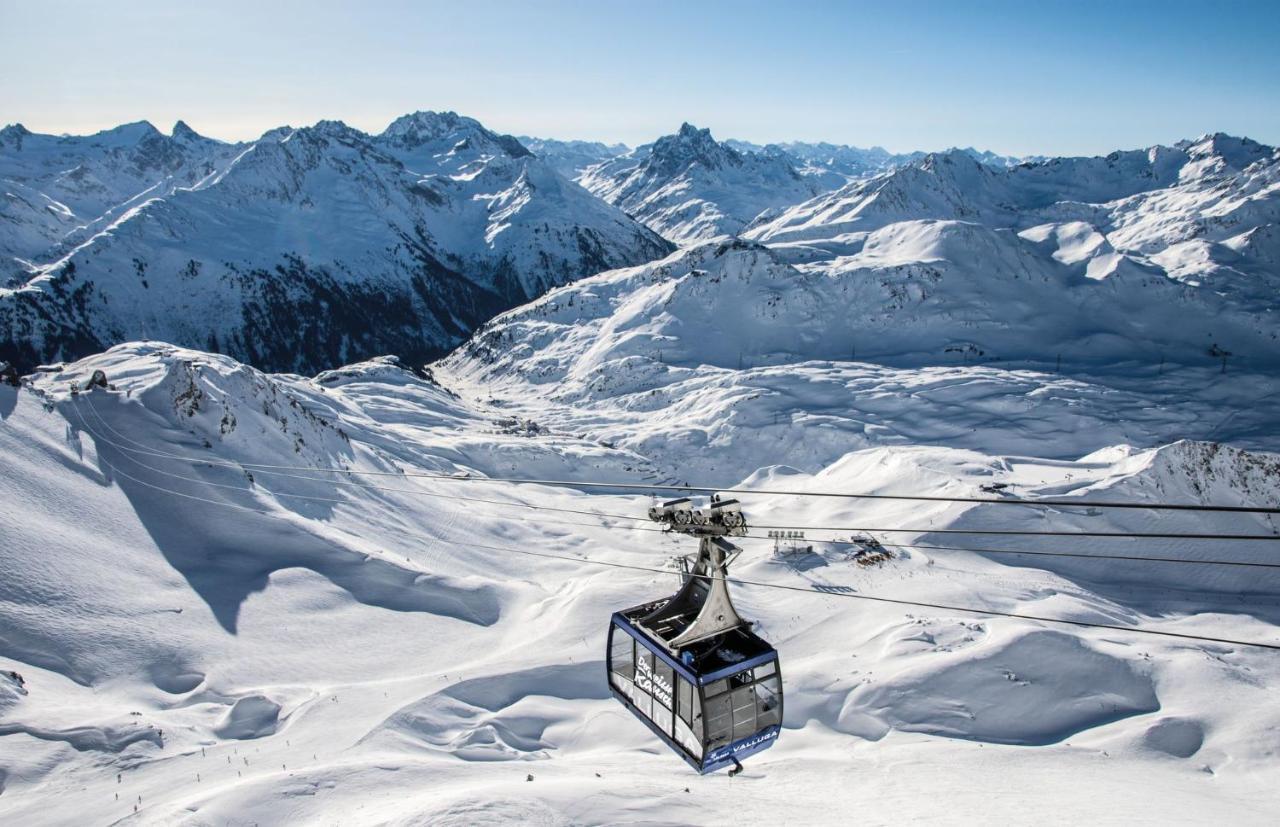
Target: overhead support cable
(674, 488)
(738, 581)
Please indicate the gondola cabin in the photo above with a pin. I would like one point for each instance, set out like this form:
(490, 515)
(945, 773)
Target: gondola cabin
(716, 705)
(688, 666)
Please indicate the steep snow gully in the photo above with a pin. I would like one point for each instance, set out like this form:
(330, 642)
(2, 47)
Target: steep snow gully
(233, 595)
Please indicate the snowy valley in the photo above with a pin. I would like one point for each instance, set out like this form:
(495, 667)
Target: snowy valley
(265, 558)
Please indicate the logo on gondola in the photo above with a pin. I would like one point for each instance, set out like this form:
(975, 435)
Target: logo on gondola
(745, 744)
(653, 683)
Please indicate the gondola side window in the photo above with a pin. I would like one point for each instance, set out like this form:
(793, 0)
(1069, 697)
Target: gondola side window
(622, 655)
(719, 720)
(661, 685)
(744, 712)
(644, 669)
(769, 705)
(684, 699)
(688, 723)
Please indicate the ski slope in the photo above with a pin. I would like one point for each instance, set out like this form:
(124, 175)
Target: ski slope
(219, 642)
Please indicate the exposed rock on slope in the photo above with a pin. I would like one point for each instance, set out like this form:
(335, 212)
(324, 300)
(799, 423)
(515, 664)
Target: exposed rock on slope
(689, 188)
(316, 247)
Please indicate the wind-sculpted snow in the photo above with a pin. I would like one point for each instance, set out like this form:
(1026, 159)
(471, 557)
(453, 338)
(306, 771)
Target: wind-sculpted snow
(372, 648)
(89, 738)
(253, 716)
(316, 247)
(501, 717)
(1039, 688)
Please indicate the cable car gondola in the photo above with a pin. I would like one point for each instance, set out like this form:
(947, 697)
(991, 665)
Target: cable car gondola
(687, 665)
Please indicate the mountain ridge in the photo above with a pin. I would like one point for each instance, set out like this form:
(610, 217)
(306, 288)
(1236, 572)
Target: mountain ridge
(689, 188)
(314, 246)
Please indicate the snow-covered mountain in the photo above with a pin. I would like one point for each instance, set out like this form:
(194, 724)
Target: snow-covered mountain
(851, 162)
(953, 316)
(966, 288)
(231, 595)
(688, 187)
(200, 630)
(571, 158)
(1194, 181)
(58, 190)
(306, 249)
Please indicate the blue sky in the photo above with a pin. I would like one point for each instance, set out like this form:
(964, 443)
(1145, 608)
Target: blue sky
(1031, 77)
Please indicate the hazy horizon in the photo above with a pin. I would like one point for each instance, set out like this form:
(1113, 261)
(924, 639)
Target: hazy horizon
(167, 130)
(1083, 78)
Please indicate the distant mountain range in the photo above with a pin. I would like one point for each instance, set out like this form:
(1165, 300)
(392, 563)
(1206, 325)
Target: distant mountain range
(688, 187)
(1170, 253)
(305, 249)
(572, 158)
(315, 247)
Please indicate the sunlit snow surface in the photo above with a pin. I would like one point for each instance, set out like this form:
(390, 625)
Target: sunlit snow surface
(211, 643)
(368, 655)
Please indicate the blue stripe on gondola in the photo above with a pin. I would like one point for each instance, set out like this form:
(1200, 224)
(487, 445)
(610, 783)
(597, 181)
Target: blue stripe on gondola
(724, 756)
(737, 667)
(718, 758)
(700, 680)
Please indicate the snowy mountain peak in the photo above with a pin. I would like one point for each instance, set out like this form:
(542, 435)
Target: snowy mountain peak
(129, 133)
(420, 128)
(689, 187)
(954, 156)
(276, 134)
(334, 128)
(423, 126)
(13, 130)
(184, 133)
(690, 145)
(1235, 152)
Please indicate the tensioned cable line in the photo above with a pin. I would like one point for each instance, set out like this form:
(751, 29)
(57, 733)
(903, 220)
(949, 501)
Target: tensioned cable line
(736, 581)
(334, 500)
(659, 530)
(265, 468)
(146, 451)
(605, 515)
(611, 516)
(1098, 556)
(901, 602)
(755, 492)
(1029, 533)
(686, 488)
